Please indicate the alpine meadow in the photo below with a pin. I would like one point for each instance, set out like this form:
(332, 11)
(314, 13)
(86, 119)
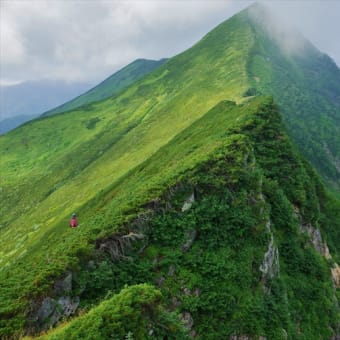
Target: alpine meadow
(206, 188)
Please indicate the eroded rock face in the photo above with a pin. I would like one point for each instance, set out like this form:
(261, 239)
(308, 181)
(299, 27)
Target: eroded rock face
(270, 266)
(316, 239)
(52, 310)
(68, 305)
(336, 276)
(48, 306)
(322, 248)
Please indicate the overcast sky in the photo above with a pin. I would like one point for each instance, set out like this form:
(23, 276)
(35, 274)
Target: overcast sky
(87, 40)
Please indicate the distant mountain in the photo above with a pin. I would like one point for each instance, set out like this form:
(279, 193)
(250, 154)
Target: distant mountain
(8, 124)
(199, 215)
(111, 86)
(35, 97)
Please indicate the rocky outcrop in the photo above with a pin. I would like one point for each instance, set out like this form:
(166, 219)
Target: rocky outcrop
(188, 202)
(270, 266)
(191, 236)
(51, 310)
(316, 239)
(116, 245)
(322, 248)
(188, 322)
(336, 275)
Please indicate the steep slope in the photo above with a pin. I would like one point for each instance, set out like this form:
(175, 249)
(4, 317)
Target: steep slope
(111, 86)
(67, 158)
(228, 186)
(115, 159)
(306, 85)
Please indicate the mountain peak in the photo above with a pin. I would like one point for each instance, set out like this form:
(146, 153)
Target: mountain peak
(287, 37)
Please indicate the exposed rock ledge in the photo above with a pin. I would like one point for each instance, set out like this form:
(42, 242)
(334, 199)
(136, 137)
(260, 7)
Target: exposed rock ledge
(270, 266)
(322, 248)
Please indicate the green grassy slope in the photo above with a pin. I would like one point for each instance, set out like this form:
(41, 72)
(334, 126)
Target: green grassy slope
(67, 160)
(242, 184)
(29, 243)
(111, 86)
(108, 159)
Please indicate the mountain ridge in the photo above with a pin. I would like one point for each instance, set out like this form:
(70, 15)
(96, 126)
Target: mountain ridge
(190, 128)
(110, 86)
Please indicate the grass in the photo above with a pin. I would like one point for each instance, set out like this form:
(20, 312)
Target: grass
(111, 86)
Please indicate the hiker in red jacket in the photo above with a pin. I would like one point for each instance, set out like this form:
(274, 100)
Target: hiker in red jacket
(73, 221)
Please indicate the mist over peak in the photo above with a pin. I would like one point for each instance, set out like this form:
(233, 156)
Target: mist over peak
(287, 37)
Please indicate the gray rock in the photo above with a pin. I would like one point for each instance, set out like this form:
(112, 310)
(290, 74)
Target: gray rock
(68, 305)
(160, 281)
(270, 266)
(175, 302)
(191, 235)
(188, 202)
(171, 271)
(186, 291)
(316, 239)
(53, 319)
(63, 286)
(48, 306)
(51, 311)
(197, 292)
(187, 320)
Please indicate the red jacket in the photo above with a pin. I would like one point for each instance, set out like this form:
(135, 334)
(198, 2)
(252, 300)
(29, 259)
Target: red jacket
(73, 222)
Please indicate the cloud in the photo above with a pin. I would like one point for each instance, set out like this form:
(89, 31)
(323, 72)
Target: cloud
(79, 40)
(74, 40)
(287, 38)
(318, 21)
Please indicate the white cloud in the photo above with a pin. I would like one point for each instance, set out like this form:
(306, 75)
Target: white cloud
(80, 40)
